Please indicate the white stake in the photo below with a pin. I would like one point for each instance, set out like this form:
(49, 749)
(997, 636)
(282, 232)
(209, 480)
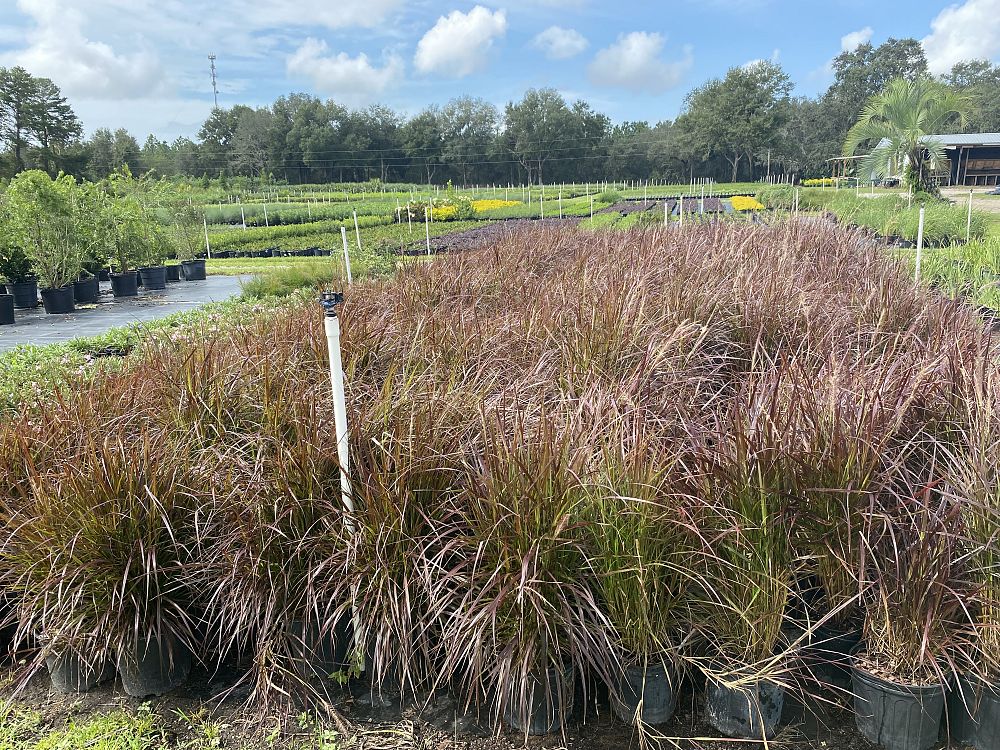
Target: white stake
(208, 247)
(266, 224)
(591, 209)
(357, 231)
(968, 225)
(560, 204)
(243, 216)
(681, 212)
(920, 244)
(427, 228)
(347, 254)
(666, 213)
(409, 219)
(310, 210)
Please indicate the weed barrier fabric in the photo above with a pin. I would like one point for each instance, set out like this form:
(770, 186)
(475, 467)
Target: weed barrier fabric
(511, 408)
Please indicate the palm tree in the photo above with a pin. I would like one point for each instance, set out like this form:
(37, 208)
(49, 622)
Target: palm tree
(897, 123)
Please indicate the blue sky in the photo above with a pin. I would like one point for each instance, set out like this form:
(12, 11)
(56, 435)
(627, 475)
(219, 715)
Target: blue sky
(142, 63)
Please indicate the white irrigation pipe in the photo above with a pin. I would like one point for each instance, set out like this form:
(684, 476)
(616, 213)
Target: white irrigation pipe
(357, 231)
(920, 244)
(347, 254)
(968, 224)
(331, 324)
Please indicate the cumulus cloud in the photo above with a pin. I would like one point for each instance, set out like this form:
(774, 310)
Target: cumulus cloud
(850, 42)
(341, 73)
(58, 49)
(634, 63)
(775, 58)
(970, 31)
(560, 44)
(459, 43)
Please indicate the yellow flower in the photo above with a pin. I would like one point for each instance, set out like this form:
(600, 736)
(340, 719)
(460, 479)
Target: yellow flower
(746, 203)
(490, 203)
(444, 213)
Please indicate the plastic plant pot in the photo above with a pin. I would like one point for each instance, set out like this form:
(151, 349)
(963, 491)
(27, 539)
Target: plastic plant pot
(70, 674)
(86, 291)
(58, 301)
(974, 713)
(173, 273)
(125, 284)
(748, 711)
(155, 667)
(193, 270)
(6, 309)
(654, 685)
(25, 293)
(547, 703)
(153, 278)
(897, 717)
(322, 655)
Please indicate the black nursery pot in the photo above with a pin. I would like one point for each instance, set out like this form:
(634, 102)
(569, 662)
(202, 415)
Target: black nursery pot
(173, 272)
(155, 667)
(25, 293)
(974, 713)
(58, 301)
(897, 717)
(154, 277)
(125, 284)
(193, 270)
(6, 309)
(322, 654)
(548, 701)
(751, 711)
(86, 291)
(655, 685)
(70, 674)
(104, 274)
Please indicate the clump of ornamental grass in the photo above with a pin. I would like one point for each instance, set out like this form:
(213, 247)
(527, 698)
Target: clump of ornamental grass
(520, 596)
(101, 556)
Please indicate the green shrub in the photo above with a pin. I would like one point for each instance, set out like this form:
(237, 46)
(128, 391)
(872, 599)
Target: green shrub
(608, 196)
(777, 196)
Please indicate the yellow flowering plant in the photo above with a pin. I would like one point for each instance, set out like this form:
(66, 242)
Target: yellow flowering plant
(746, 203)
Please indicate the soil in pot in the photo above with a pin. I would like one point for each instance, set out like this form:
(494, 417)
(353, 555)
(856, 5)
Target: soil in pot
(25, 293)
(750, 711)
(86, 291)
(6, 309)
(58, 301)
(974, 713)
(547, 702)
(193, 270)
(654, 685)
(70, 674)
(154, 277)
(157, 666)
(173, 273)
(125, 284)
(897, 717)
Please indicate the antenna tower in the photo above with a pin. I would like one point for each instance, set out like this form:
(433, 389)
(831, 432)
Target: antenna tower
(215, 89)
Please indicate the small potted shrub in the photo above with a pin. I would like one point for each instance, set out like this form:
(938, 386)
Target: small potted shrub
(641, 551)
(913, 605)
(100, 563)
(186, 230)
(42, 213)
(15, 267)
(151, 260)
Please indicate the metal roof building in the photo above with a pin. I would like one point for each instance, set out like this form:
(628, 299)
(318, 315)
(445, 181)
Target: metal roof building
(974, 158)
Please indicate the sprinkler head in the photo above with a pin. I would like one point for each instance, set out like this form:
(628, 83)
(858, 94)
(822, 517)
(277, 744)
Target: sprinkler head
(329, 302)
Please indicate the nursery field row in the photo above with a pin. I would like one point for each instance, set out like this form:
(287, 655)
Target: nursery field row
(685, 447)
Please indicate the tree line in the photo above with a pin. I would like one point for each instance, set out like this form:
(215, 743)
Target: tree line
(742, 126)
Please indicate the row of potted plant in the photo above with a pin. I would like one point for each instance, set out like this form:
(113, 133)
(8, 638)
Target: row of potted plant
(60, 236)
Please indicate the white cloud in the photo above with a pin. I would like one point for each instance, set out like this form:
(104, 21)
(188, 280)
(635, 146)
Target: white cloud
(970, 31)
(634, 63)
(339, 15)
(58, 49)
(853, 40)
(342, 74)
(775, 58)
(560, 44)
(459, 43)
